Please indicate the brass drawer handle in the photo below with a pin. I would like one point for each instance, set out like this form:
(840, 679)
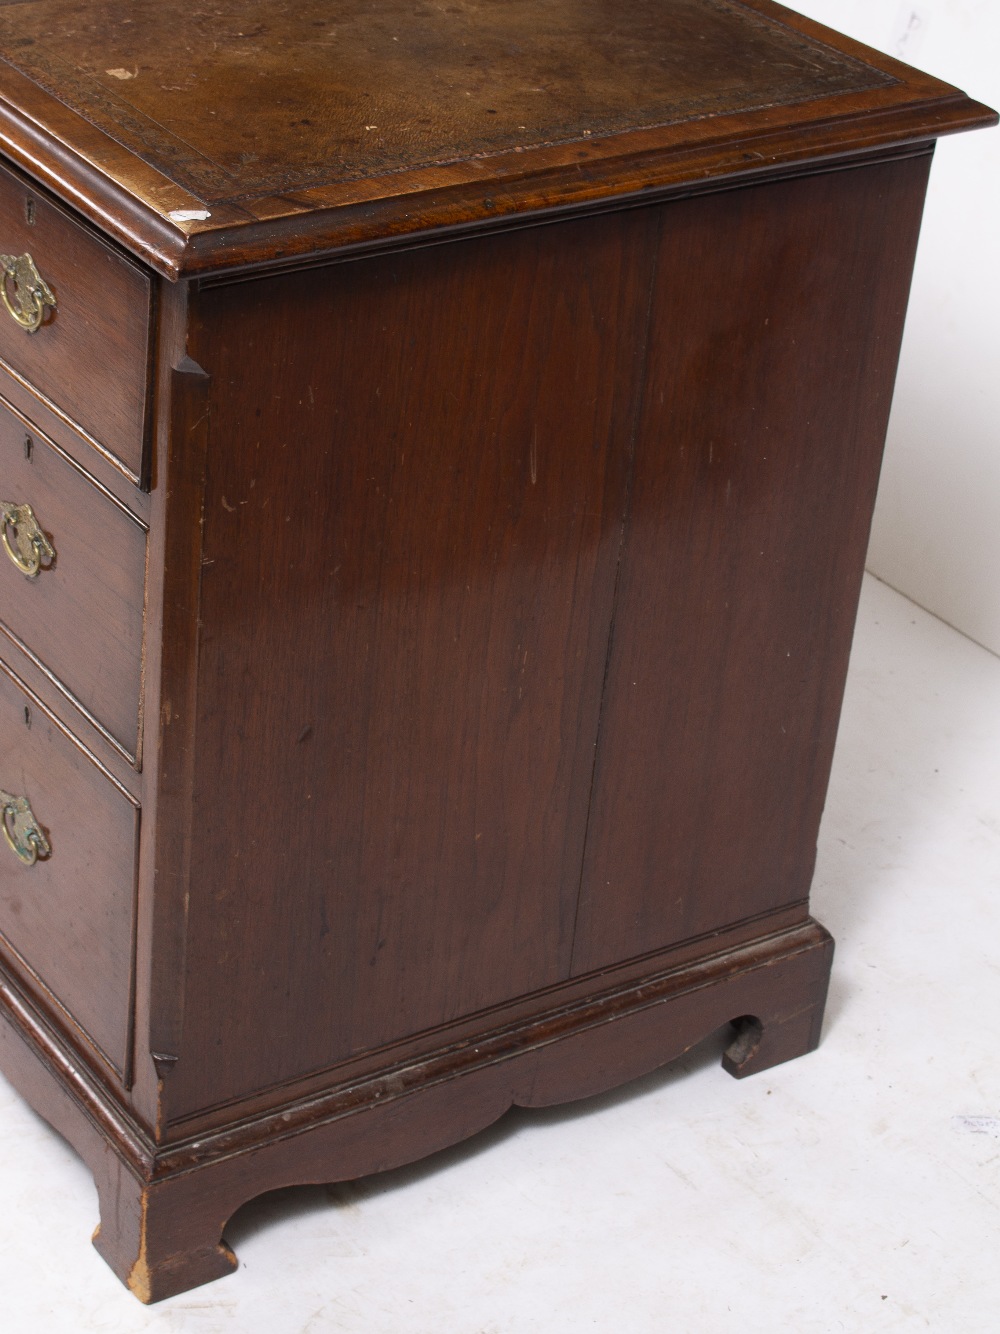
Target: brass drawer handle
(30, 291)
(21, 830)
(32, 546)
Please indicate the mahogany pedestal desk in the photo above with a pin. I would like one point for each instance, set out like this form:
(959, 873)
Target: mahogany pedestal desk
(437, 451)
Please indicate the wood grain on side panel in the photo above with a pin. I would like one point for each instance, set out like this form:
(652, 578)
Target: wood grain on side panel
(778, 318)
(416, 485)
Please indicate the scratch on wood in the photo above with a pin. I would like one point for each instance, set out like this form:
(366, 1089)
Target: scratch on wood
(139, 1277)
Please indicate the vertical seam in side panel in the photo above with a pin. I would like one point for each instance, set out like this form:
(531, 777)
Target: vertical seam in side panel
(206, 418)
(640, 397)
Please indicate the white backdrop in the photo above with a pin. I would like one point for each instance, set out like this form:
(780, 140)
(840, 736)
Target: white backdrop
(936, 536)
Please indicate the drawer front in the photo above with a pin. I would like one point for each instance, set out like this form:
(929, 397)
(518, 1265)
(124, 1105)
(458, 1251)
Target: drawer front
(67, 919)
(89, 357)
(80, 615)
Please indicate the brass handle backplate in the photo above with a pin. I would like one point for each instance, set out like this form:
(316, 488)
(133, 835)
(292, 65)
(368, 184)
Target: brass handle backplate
(21, 830)
(25, 292)
(31, 546)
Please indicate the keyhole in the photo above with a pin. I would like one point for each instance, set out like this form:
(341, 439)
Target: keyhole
(29, 212)
(28, 447)
(27, 716)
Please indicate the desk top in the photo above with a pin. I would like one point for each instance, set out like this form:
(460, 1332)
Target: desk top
(247, 131)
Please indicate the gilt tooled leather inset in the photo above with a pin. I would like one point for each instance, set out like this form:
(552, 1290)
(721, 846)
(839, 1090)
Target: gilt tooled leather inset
(237, 98)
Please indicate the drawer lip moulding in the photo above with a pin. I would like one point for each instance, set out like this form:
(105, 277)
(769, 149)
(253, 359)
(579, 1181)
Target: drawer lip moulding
(67, 922)
(80, 616)
(88, 361)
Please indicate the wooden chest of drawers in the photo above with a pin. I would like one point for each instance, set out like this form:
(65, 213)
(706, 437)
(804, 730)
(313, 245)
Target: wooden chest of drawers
(437, 450)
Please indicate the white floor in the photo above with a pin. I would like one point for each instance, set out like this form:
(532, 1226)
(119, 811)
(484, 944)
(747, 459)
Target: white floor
(857, 1189)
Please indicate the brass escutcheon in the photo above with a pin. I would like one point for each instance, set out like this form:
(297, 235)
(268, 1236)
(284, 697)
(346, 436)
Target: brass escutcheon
(31, 292)
(21, 830)
(32, 545)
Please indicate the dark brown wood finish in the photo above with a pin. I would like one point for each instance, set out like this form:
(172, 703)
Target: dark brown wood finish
(66, 923)
(433, 610)
(81, 616)
(53, 423)
(754, 484)
(89, 358)
(163, 1211)
(418, 519)
(483, 630)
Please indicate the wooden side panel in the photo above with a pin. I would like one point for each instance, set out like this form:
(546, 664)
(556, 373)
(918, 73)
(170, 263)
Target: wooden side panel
(416, 485)
(778, 317)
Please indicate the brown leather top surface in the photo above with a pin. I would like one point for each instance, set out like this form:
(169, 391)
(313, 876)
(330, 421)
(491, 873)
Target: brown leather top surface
(233, 99)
